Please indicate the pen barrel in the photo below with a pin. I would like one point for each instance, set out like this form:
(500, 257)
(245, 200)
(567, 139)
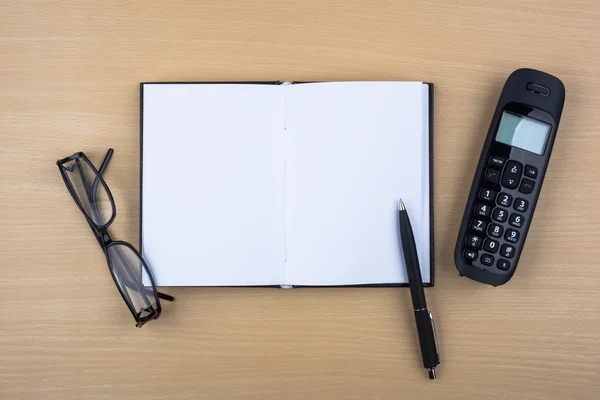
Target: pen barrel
(413, 270)
(427, 341)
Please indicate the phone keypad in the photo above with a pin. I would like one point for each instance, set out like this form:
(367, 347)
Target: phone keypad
(497, 221)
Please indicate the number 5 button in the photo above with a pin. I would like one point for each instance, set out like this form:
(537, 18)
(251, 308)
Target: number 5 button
(499, 215)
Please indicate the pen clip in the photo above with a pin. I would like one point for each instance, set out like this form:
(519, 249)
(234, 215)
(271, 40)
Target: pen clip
(437, 348)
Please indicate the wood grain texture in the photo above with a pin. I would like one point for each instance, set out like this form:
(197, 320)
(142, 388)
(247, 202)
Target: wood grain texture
(69, 74)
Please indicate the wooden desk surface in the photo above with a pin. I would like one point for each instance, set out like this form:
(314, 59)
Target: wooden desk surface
(69, 74)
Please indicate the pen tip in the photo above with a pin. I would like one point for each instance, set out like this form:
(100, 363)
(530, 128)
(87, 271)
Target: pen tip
(401, 205)
(431, 373)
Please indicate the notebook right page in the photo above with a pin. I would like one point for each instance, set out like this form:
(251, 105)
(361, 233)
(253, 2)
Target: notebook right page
(353, 149)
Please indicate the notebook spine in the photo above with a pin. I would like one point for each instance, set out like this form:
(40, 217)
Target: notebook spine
(285, 190)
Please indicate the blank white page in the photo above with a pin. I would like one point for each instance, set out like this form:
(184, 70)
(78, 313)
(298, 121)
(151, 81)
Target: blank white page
(353, 149)
(213, 184)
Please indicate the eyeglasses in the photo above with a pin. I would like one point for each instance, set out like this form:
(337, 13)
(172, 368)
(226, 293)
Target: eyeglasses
(128, 269)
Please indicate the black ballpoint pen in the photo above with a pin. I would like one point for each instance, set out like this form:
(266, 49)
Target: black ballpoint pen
(423, 318)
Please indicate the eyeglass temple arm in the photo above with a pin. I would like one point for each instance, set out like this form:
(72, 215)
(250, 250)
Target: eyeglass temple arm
(165, 296)
(96, 182)
(92, 190)
(105, 162)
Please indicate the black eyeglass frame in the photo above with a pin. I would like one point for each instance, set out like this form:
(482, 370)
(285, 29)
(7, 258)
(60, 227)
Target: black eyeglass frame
(105, 240)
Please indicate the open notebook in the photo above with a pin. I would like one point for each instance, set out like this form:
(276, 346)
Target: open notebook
(284, 184)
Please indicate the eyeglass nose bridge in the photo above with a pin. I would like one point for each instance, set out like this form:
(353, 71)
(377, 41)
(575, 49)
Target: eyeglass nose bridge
(102, 236)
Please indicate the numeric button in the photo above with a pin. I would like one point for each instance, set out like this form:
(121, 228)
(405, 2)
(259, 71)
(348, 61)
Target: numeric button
(512, 174)
(478, 225)
(511, 236)
(507, 251)
(482, 210)
(521, 205)
(504, 199)
(487, 194)
(490, 246)
(516, 220)
(500, 215)
(474, 241)
(495, 231)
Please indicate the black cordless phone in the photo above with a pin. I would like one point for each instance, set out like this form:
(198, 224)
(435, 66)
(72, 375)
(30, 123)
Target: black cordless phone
(509, 177)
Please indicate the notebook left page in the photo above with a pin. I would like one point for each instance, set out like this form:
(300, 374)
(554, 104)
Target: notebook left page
(213, 183)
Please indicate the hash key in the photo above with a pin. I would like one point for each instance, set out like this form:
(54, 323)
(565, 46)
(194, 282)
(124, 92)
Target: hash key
(507, 251)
